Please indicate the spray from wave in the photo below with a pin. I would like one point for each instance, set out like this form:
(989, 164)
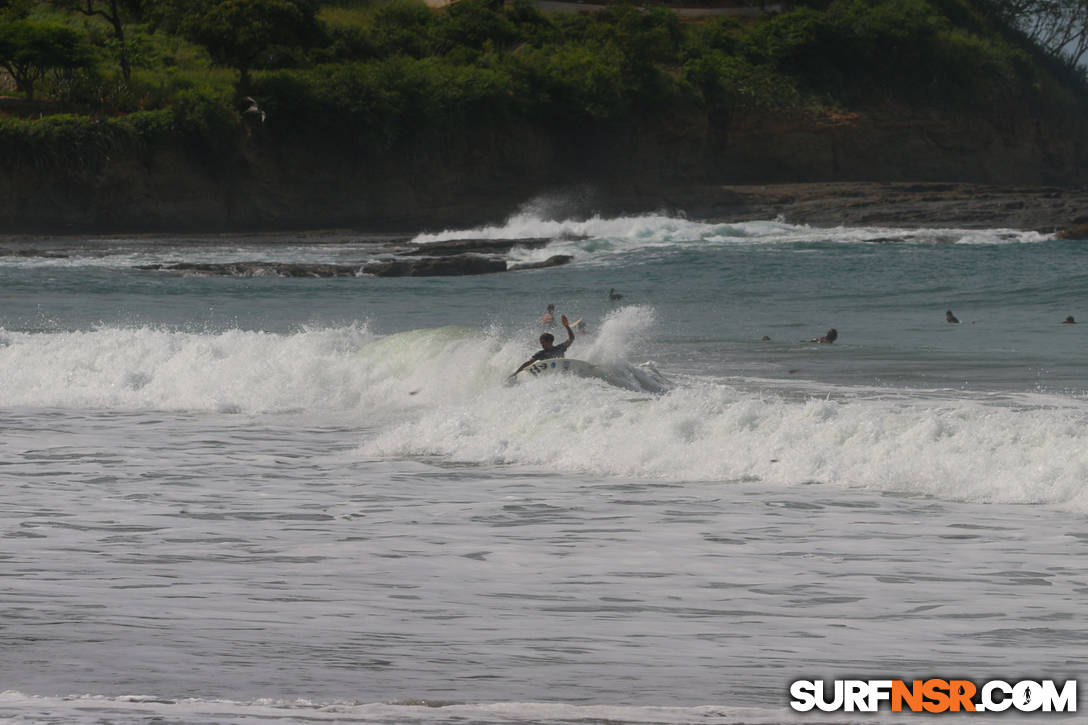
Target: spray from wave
(148, 368)
(641, 231)
(312, 369)
(964, 451)
(439, 393)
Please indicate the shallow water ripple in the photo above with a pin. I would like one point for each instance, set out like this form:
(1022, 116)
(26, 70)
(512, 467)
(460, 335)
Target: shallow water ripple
(242, 558)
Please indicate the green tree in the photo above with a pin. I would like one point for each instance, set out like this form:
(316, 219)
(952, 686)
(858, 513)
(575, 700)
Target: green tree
(14, 9)
(238, 33)
(1058, 26)
(116, 13)
(28, 50)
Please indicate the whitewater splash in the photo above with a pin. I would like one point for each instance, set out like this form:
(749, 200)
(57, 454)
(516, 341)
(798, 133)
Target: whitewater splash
(313, 369)
(438, 394)
(963, 451)
(645, 231)
(594, 239)
(148, 368)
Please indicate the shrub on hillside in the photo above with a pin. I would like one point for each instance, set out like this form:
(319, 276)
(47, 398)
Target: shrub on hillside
(374, 105)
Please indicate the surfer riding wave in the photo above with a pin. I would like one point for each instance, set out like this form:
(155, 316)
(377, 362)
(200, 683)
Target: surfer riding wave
(549, 349)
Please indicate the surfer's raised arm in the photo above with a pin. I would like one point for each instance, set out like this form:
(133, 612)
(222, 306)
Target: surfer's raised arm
(570, 332)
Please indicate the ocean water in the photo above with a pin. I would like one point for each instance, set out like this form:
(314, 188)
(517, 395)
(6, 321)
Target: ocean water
(265, 499)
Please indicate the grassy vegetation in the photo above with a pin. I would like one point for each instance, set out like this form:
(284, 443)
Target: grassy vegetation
(384, 72)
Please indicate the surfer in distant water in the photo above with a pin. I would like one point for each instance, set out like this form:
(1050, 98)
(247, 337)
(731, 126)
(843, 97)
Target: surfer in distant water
(549, 348)
(830, 337)
(951, 318)
(1069, 321)
(548, 319)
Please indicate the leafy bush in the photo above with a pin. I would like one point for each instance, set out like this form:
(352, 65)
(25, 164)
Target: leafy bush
(574, 81)
(472, 24)
(389, 72)
(726, 82)
(78, 144)
(205, 117)
(860, 51)
(401, 27)
(379, 103)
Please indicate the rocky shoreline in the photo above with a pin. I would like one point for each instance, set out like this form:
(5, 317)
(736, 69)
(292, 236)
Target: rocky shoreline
(921, 205)
(1051, 210)
(440, 259)
(1062, 211)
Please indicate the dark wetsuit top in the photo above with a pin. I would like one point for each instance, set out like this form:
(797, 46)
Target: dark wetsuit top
(555, 351)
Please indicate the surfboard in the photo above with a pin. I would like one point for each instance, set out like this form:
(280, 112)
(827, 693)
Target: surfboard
(564, 365)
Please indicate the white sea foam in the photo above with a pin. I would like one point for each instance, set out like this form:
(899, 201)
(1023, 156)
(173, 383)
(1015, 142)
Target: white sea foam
(439, 392)
(629, 233)
(961, 451)
(145, 368)
(595, 238)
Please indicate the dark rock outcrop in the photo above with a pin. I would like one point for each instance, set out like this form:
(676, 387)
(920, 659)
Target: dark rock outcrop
(258, 269)
(426, 267)
(473, 246)
(436, 266)
(32, 253)
(454, 263)
(1079, 231)
(909, 205)
(553, 261)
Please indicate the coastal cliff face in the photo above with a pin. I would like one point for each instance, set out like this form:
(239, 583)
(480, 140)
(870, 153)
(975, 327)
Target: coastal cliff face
(679, 161)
